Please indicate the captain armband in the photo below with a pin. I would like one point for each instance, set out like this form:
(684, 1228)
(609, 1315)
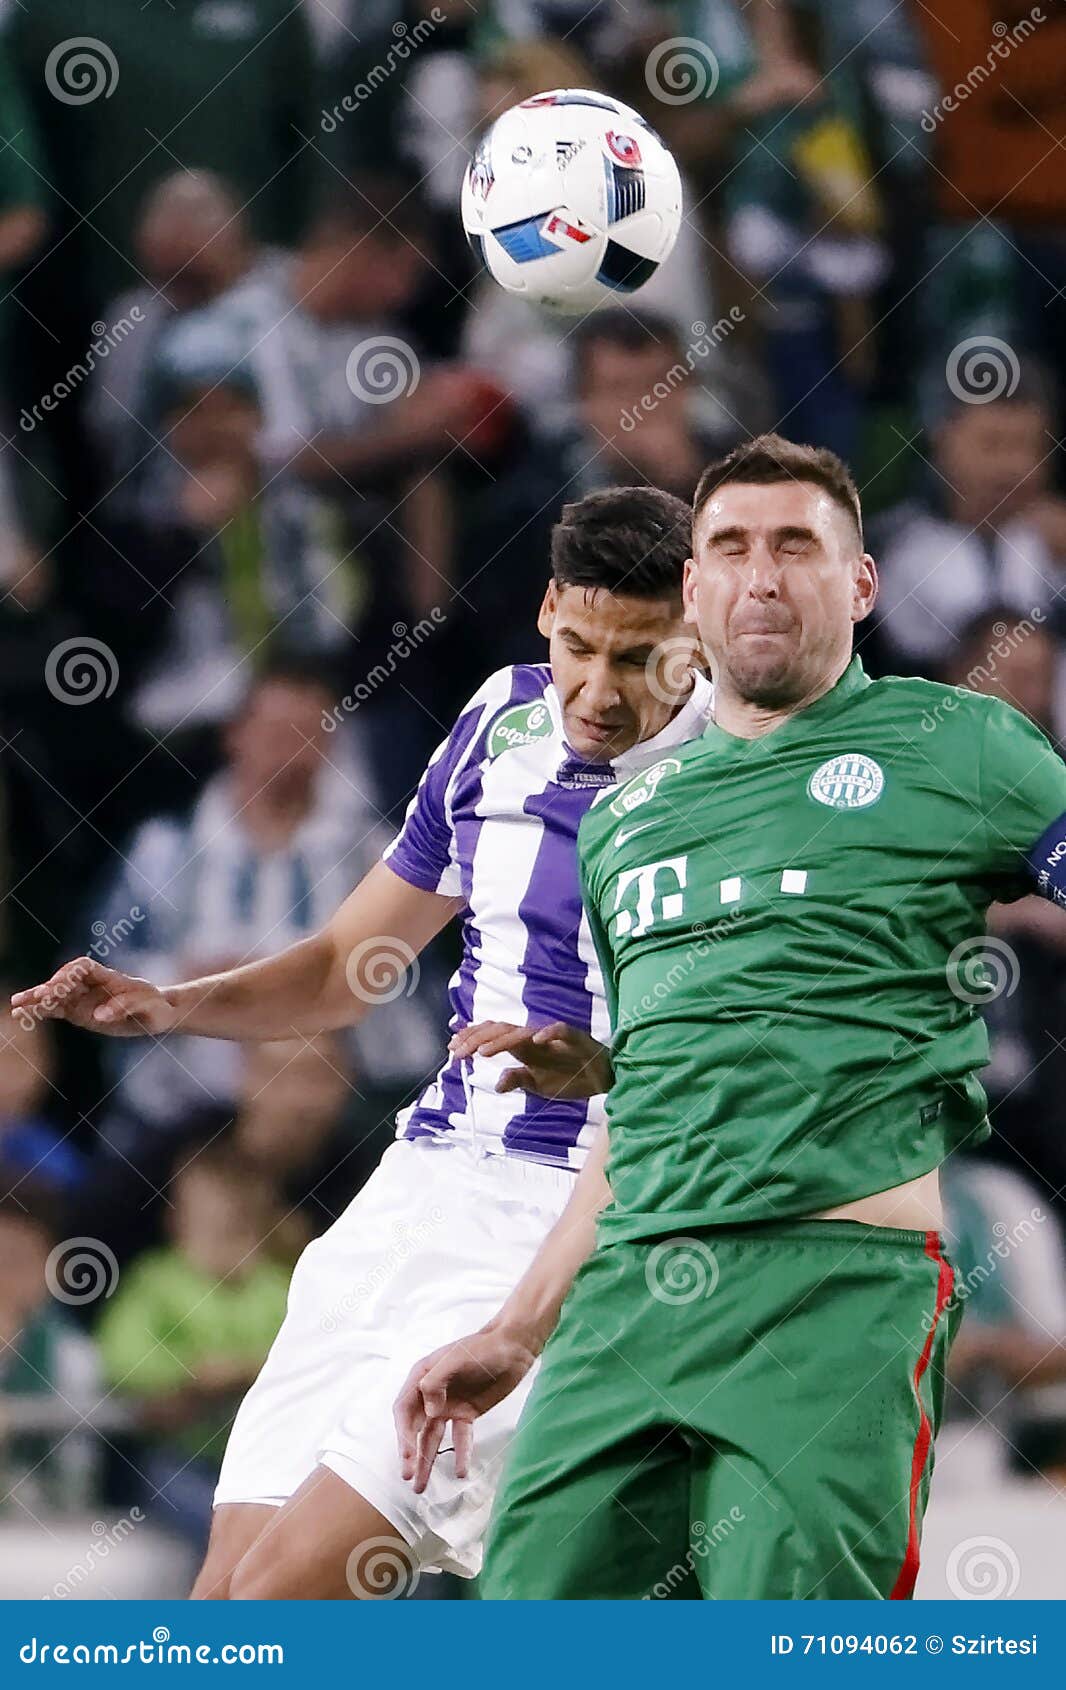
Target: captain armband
(1047, 862)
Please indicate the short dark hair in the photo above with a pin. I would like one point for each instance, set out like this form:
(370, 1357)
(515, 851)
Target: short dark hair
(630, 331)
(374, 202)
(630, 540)
(315, 671)
(770, 458)
(1033, 384)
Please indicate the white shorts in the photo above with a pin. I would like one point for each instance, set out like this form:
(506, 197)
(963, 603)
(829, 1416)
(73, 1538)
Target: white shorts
(427, 1251)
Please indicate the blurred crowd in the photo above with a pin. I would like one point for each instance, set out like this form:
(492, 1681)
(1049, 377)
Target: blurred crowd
(277, 477)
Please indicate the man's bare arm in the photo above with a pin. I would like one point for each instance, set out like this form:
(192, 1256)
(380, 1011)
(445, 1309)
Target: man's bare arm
(321, 983)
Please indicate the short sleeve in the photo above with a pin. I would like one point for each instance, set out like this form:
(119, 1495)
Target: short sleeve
(423, 852)
(1023, 789)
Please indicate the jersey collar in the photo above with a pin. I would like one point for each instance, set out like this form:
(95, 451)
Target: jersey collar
(689, 723)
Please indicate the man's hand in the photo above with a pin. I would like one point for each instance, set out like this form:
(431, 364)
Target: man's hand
(557, 1061)
(87, 994)
(455, 1384)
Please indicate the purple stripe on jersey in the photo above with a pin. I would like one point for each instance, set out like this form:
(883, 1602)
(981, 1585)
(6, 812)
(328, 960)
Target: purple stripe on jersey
(553, 972)
(527, 683)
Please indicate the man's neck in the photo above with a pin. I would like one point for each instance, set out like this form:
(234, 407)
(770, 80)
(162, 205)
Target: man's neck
(747, 718)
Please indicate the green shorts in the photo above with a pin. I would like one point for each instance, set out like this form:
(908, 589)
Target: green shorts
(744, 1413)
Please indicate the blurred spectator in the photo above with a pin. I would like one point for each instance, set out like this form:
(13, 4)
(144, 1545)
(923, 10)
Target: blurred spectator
(274, 844)
(31, 1143)
(782, 147)
(298, 1120)
(189, 1327)
(26, 500)
(639, 392)
(1026, 1081)
(1009, 1253)
(236, 96)
(251, 561)
(49, 1376)
(987, 530)
(193, 243)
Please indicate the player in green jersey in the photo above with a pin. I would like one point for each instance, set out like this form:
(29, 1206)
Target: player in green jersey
(744, 1386)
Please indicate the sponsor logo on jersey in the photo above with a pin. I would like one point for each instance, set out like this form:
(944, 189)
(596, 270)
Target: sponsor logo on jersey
(642, 787)
(623, 147)
(850, 782)
(625, 833)
(522, 724)
(581, 780)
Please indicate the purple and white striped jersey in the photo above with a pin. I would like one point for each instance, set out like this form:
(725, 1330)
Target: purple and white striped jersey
(495, 821)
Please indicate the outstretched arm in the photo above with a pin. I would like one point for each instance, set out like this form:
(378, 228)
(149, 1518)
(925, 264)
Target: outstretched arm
(324, 982)
(463, 1380)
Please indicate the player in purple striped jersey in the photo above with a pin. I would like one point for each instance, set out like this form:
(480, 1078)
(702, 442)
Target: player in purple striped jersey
(309, 1503)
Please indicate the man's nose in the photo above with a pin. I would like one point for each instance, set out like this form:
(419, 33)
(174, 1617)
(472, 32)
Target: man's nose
(599, 688)
(764, 576)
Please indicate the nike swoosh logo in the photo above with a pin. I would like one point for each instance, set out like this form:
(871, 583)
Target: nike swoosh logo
(620, 837)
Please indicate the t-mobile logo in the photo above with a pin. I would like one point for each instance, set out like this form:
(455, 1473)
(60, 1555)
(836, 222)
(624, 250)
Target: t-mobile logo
(653, 901)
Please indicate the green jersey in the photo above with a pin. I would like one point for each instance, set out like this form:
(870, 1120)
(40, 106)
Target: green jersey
(790, 929)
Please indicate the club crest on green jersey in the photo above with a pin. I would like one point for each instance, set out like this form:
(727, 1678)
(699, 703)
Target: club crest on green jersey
(850, 782)
(522, 724)
(642, 787)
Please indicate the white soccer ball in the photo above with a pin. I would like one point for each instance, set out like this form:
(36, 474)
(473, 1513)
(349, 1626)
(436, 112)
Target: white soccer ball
(571, 200)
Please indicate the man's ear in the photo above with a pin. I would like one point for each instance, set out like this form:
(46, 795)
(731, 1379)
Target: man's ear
(864, 593)
(548, 608)
(688, 590)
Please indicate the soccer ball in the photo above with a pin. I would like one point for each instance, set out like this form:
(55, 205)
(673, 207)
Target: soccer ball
(571, 199)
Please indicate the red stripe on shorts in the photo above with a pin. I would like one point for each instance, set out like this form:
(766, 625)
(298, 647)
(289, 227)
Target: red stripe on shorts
(908, 1573)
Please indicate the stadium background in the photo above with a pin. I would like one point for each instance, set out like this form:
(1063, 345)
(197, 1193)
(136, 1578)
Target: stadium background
(277, 477)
